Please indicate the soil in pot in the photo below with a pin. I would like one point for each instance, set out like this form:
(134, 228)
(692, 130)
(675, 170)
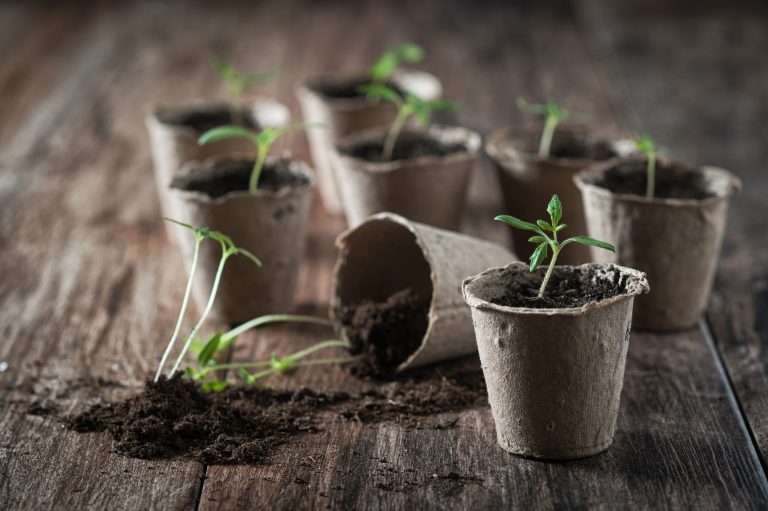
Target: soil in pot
(631, 178)
(205, 119)
(228, 176)
(347, 89)
(408, 146)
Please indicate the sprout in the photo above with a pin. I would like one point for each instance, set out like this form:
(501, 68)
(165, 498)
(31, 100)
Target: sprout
(237, 84)
(389, 60)
(554, 114)
(646, 145)
(543, 241)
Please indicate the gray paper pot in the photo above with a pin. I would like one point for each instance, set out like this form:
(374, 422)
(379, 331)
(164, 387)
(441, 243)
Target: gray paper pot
(428, 189)
(345, 115)
(270, 224)
(675, 241)
(554, 376)
(174, 141)
(388, 253)
(528, 181)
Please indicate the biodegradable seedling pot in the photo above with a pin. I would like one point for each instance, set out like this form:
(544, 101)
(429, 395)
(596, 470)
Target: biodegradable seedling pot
(426, 180)
(528, 180)
(674, 237)
(270, 223)
(174, 132)
(554, 376)
(334, 101)
(387, 254)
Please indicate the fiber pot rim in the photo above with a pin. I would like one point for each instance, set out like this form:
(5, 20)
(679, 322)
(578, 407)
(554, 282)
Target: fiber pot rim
(637, 284)
(285, 192)
(309, 87)
(585, 181)
(472, 141)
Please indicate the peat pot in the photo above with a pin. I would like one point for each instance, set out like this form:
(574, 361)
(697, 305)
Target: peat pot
(271, 223)
(528, 180)
(554, 376)
(674, 237)
(174, 131)
(426, 180)
(333, 100)
(388, 254)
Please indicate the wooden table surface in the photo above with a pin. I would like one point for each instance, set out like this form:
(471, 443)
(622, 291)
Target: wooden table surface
(89, 284)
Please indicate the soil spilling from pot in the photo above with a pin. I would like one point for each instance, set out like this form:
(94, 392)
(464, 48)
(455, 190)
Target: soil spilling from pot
(229, 176)
(677, 184)
(387, 332)
(408, 147)
(243, 425)
(563, 291)
(205, 119)
(349, 89)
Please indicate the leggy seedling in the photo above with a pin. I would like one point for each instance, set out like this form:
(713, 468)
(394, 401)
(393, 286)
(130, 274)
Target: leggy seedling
(554, 115)
(263, 141)
(543, 241)
(406, 107)
(390, 59)
(237, 84)
(646, 145)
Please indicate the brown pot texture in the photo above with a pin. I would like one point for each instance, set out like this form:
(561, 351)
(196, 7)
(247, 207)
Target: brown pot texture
(430, 189)
(528, 181)
(174, 131)
(326, 99)
(554, 376)
(675, 241)
(388, 253)
(270, 223)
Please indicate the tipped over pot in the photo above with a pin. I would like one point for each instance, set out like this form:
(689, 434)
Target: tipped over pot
(674, 237)
(174, 132)
(426, 180)
(528, 180)
(396, 293)
(554, 374)
(271, 223)
(335, 101)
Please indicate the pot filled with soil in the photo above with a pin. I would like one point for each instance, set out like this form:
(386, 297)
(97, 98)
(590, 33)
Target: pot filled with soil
(269, 221)
(336, 101)
(674, 235)
(528, 179)
(396, 293)
(554, 365)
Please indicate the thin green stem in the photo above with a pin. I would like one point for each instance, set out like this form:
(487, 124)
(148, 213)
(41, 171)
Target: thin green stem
(394, 131)
(183, 311)
(313, 362)
(651, 168)
(257, 167)
(331, 343)
(547, 134)
(271, 318)
(555, 253)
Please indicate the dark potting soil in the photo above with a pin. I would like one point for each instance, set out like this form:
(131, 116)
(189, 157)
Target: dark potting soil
(205, 119)
(233, 176)
(387, 332)
(572, 290)
(678, 184)
(243, 425)
(348, 89)
(579, 149)
(407, 147)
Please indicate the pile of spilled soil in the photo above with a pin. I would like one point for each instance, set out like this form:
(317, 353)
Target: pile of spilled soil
(243, 425)
(407, 147)
(677, 184)
(228, 176)
(387, 332)
(205, 119)
(563, 291)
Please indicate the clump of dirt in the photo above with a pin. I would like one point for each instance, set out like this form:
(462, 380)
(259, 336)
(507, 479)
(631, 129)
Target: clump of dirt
(387, 332)
(408, 146)
(631, 178)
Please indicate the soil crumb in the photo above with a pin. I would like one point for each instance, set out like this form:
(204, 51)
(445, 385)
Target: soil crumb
(408, 146)
(387, 332)
(631, 178)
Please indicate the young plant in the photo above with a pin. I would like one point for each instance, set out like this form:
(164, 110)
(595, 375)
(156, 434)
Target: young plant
(646, 146)
(263, 141)
(406, 107)
(237, 84)
(546, 238)
(389, 60)
(554, 115)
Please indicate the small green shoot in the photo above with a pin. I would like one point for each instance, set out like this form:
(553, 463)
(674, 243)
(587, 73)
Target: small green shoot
(390, 60)
(406, 107)
(237, 84)
(263, 141)
(646, 146)
(554, 115)
(543, 241)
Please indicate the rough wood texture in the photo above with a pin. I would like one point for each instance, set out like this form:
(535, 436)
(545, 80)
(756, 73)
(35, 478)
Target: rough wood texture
(90, 285)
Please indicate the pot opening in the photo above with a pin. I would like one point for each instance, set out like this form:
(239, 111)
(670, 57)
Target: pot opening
(410, 145)
(384, 293)
(226, 176)
(568, 144)
(346, 88)
(205, 118)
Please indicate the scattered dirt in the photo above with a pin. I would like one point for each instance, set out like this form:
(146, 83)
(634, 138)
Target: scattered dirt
(205, 119)
(408, 146)
(233, 175)
(371, 327)
(677, 184)
(571, 290)
(347, 89)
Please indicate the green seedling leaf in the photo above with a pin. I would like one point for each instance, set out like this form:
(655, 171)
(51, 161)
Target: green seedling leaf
(246, 376)
(209, 350)
(544, 225)
(382, 92)
(560, 227)
(555, 209)
(214, 386)
(647, 147)
(537, 239)
(281, 365)
(584, 240)
(390, 60)
(224, 133)
(517, 223)
(554, 115)
(538, 256)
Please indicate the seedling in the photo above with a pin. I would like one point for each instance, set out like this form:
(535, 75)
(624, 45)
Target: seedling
(406, 107)
(646, 145)
(554, 115)
(263, 141)
(237, 84)
(543, 241)
(389, 60)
